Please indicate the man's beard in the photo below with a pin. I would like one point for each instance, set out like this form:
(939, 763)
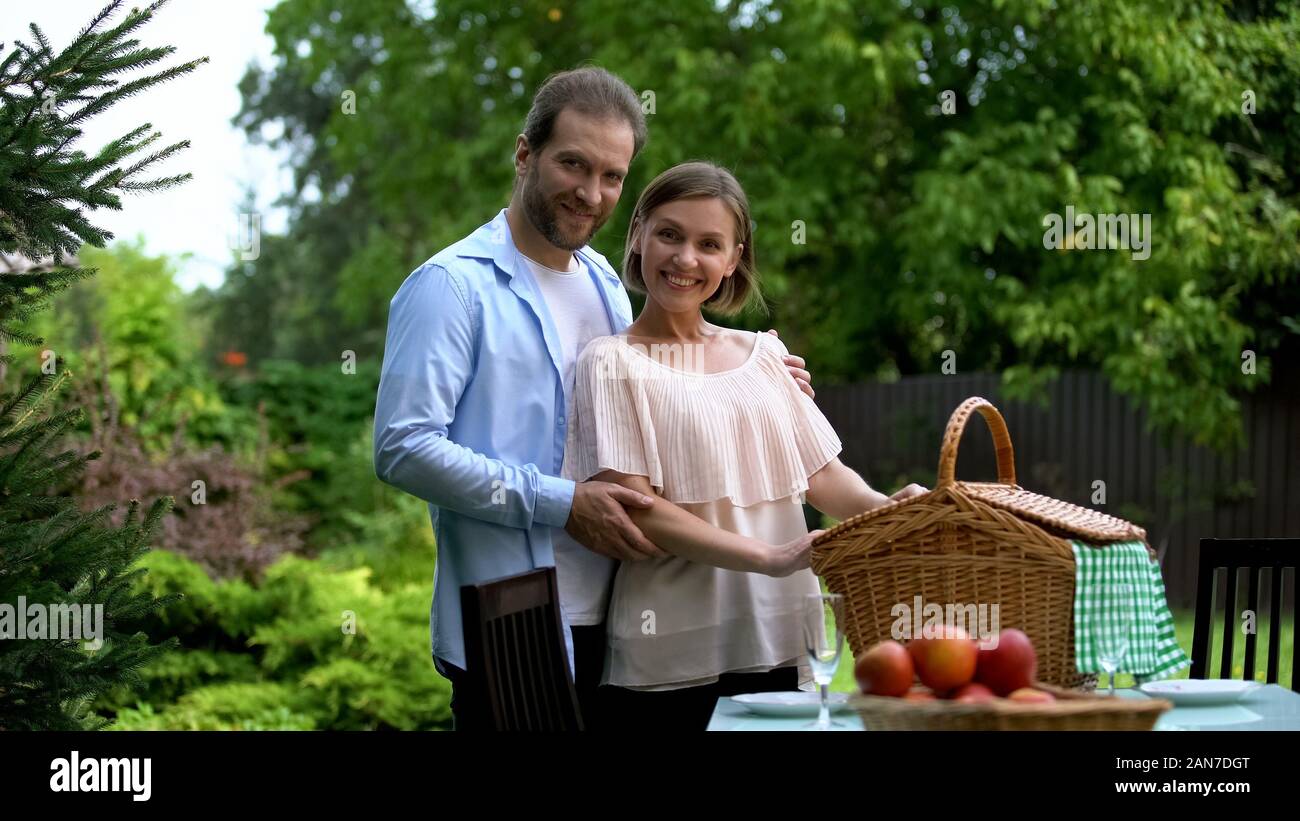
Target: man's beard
(543, 214)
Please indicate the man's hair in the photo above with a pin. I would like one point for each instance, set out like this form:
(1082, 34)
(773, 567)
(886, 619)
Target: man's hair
(589, 90)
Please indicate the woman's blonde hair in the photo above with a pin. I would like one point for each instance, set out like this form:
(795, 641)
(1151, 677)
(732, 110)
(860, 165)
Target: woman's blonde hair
(700, 180)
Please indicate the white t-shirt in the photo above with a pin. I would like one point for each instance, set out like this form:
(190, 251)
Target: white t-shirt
(579, 315)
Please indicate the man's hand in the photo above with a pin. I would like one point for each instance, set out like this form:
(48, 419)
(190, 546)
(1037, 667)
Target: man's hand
(598, 521)
(797, 368)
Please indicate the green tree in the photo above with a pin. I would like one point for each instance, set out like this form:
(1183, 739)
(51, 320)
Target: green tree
(890, 227)
(51, 554)
(133, 324)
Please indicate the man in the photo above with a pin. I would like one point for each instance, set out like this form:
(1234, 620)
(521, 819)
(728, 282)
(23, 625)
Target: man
(478, 369)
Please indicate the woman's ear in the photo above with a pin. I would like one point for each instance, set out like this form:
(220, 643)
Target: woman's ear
(735, 260)
(636, 236)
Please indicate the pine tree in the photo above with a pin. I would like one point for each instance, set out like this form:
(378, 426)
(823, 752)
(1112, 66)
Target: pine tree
(52, 554)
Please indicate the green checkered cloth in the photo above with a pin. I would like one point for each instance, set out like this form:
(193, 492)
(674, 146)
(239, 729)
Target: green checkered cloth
(1115, 586)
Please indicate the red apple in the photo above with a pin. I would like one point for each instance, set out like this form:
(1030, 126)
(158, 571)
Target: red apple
(973, 693)
(885, 670)
(1030, 695)
(944, 663)
(1011, 665)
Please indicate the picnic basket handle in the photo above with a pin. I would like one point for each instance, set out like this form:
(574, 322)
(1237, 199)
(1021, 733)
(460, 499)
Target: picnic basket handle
(1001, 441)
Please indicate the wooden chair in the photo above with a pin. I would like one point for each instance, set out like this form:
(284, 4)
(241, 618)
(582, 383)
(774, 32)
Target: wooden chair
(1255, 555)
(515, 653)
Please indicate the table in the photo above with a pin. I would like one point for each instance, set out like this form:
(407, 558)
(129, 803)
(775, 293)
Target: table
(1270, 707)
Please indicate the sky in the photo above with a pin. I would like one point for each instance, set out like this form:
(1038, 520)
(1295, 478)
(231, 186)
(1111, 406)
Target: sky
(200, 217)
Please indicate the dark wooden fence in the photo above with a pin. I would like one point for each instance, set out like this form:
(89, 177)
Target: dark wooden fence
(1179, 492)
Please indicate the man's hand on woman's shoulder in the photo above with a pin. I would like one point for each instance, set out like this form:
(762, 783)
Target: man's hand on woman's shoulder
(798, 369)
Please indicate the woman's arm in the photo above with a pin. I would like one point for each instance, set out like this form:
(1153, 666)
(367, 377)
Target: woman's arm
(839, 492)
(686, 535)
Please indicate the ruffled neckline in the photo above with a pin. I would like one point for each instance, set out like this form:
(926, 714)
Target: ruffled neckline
(636, 348)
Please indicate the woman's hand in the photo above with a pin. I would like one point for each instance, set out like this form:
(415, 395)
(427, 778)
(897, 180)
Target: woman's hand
(908, 492)
(790, 557)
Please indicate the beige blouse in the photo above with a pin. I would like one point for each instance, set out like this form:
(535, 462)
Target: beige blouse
(735, 448)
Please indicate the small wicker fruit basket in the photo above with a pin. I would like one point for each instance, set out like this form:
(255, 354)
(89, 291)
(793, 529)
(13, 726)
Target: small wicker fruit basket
(1072, 710)
(969, 543)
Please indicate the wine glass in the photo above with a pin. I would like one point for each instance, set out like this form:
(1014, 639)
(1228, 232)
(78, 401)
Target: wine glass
(823, 632)
(1113, 642)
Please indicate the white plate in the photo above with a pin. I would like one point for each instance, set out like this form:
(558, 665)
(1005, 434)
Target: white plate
(796, 703)
(1194, 691)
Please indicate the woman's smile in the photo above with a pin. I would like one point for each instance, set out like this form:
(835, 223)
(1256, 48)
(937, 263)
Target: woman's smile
(680, 282)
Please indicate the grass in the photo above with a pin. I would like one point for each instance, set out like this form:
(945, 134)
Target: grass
(1183, 623)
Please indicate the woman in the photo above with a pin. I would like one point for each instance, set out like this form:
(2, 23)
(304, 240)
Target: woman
(710, 424)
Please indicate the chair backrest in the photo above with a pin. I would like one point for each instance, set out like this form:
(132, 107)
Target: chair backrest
(515, 653)
(1254, 555)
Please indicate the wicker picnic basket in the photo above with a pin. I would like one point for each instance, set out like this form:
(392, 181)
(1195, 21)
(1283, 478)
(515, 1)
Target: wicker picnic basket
(1072, 710)
(968, 543)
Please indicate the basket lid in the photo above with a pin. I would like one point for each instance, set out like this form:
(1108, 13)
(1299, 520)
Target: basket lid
(1061, 517)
